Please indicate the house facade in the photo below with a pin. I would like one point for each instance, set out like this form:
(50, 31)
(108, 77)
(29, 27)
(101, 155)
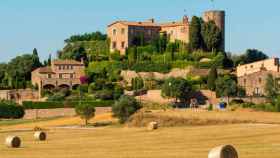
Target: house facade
(61, 73)
(252, 77)
(124, 34)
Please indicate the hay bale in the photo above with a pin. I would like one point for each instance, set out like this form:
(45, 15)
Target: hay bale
(152, 126)
(226, 151)
(13, 142)
(40, 136)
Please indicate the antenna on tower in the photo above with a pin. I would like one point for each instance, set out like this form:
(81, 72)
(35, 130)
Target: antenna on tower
(213, 4)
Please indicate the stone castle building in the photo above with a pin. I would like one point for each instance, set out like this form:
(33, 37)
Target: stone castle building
(252, 77)
(61, 73)
(122, 34)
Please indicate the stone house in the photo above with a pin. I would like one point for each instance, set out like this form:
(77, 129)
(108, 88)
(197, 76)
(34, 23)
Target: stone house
(61, 73)
(252, 77)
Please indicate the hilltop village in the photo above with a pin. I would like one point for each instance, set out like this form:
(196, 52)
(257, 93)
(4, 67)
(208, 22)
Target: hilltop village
(143, 58)
(173, 75)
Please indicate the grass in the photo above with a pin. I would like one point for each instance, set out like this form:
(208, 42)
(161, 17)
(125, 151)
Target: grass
(252, 141)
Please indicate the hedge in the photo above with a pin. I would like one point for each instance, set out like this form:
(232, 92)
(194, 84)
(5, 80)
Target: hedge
(66, 104)
(9, 110)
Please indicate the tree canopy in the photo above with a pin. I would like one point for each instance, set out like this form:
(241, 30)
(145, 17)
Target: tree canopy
(94, 36)
(178, 88)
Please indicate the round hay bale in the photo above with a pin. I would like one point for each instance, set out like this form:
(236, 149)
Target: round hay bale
(40, 136)
(226, 151)
(152, 126)
(13, 142)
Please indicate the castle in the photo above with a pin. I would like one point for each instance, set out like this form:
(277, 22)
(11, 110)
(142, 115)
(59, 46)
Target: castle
(123, 33)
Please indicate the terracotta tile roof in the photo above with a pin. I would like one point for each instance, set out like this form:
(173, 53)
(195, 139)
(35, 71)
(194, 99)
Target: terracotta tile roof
(65, 62)
(134, 23)
(172, 24)
(44, 70)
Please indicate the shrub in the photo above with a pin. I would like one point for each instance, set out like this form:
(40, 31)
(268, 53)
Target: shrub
(85, 111)
(11, 110)
(236, 101)
(125, 107)
(64, 104)
(210, 107)
(105, 94)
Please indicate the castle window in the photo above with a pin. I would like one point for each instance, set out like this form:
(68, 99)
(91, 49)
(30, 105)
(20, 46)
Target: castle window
(60, 76)
(71, 67)
(252, 66)
(114, 44)
(114, 32)
(71, 76)
(149, 32)
(260, 80)
(123, 31)
(49, 75)
(123, 44)
(245, 81)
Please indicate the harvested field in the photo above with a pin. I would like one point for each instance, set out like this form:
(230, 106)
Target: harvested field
(170, 118)
(117, 142)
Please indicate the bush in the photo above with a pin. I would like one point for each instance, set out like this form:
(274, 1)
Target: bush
(11, 110)
(125, 107)
(85, 111)
(105, 94)
(236, 101)
(64, 104)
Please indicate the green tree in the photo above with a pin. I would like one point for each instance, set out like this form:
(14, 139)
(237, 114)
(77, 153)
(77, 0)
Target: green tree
(35, 60)
(85, 111)
(196, 41)
(253, 55)
(226, 87)
(212, 77)
(125, 107)
(271, 87)
(94, 36)
(178, 88)
(212, 36)
(137, 83)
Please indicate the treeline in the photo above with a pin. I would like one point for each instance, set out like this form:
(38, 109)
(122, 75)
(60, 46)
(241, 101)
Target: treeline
(94, 36)
(16, 73)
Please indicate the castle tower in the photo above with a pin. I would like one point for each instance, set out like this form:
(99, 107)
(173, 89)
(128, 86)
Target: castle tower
(218, 16)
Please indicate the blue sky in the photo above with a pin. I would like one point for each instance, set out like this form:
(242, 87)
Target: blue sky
(44, 24)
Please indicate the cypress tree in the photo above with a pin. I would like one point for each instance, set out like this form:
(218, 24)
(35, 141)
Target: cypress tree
(212, 77)
(196, 41)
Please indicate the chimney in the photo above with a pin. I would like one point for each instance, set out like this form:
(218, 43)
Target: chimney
(185, 19)
(152, 20)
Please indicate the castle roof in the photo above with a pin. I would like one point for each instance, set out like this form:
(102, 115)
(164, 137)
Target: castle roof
(172, 24)
(134, 23)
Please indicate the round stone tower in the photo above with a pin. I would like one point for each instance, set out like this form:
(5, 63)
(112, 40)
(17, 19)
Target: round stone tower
(218, 16)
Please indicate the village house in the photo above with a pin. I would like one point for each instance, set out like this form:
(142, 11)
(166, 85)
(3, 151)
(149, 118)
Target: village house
(124, 34)
(252, 77)
(61, 73)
